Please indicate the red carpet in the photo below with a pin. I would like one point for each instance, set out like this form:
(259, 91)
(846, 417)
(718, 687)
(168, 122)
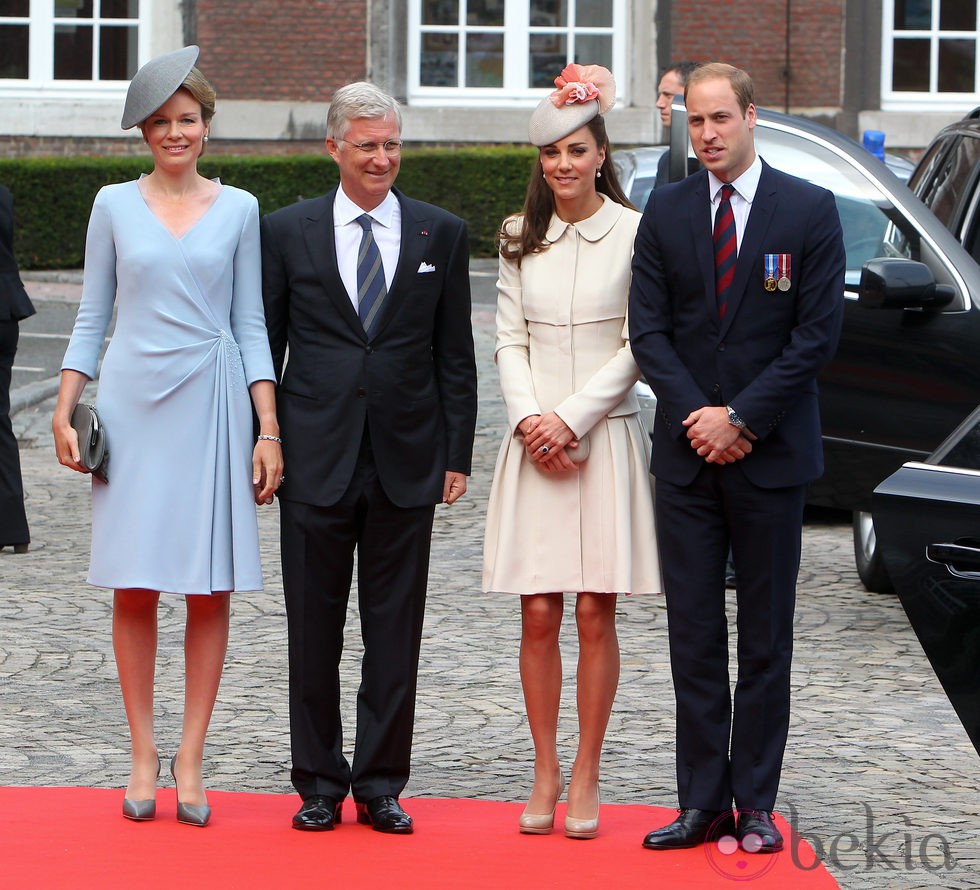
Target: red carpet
(76, 837)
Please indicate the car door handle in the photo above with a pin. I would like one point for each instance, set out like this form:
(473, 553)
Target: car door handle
(962, 561)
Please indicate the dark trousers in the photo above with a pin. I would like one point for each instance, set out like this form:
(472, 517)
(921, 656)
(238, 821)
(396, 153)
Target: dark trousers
(730, 749)
(13, 520)
(318, 545)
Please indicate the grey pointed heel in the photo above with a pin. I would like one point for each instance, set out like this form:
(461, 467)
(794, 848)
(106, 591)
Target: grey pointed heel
(141, 810)
(189, 813)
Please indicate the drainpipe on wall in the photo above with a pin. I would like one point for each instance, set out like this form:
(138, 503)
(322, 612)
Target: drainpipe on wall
(787, 72)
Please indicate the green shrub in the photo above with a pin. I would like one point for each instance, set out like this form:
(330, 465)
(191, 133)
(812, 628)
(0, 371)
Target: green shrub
(53, 196)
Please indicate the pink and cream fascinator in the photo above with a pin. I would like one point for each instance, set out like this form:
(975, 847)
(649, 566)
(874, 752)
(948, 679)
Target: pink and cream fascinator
(583, 92)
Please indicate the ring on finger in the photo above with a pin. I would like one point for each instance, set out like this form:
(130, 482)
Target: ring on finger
(544, 449)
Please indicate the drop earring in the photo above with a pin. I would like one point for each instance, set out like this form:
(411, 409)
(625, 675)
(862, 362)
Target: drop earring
(598, 173)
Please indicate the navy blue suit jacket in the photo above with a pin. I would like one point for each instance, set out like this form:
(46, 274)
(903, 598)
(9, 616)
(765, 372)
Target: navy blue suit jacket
(413, 381)
(14, 302)
(764, 357)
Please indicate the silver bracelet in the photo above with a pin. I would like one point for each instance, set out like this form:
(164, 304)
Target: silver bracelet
(270, 439)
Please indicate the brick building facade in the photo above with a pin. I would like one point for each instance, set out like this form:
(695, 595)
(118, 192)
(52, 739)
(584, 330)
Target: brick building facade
(792, 52)
(281, 50)
(472, 73)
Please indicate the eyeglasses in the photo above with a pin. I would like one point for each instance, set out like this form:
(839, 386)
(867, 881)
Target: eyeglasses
(392, 147)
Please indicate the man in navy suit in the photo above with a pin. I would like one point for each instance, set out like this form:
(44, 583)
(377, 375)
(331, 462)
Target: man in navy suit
(733, 363)
(369, 291)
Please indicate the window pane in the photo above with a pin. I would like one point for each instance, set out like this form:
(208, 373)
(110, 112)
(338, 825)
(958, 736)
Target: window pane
(594, 49)
(910, 67)
(14, 44)
(15, 7)
(548, 56)
(957, 64)
(485, 12)
(117, 52)
(120, 9)
(594, 13)
(440, 60)
(73, 52)
(553, 13)
(440, 12)
(913, 14)
(863, 207)
(485, 60)
(73, 9)
(956, 15)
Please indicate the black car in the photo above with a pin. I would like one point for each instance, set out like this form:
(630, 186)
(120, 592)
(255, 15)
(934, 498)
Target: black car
(946, 179)
(907, 370)
(927, 517)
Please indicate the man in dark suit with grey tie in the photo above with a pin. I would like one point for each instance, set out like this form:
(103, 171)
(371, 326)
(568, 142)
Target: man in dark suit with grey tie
(736, 305)
(369, 292)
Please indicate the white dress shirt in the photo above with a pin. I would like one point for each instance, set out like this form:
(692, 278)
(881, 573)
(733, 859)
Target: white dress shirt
(741, 201)
(387, 229)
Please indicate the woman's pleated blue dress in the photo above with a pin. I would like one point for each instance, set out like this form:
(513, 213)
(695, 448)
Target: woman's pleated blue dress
(178, 514)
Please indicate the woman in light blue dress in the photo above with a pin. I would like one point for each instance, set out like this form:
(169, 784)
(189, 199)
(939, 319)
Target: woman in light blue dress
(178, 256)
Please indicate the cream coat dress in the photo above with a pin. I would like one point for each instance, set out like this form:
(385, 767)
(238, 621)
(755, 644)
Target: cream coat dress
(562, 346)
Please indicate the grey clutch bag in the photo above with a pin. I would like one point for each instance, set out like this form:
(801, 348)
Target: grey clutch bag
(92, 444)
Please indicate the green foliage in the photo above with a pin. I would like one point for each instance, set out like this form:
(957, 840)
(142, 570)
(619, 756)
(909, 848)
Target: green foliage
(53, 196)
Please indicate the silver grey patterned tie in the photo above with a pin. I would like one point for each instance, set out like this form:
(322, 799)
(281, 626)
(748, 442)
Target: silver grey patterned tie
(371, 288)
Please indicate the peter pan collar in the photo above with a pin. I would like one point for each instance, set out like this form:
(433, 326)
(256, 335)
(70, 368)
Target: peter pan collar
(593, 227)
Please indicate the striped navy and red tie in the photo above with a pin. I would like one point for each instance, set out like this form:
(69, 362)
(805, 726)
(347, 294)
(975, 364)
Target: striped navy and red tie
(726, 244)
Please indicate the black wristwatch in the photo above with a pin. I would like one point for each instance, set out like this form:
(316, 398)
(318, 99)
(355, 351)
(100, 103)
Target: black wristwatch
(734, 419)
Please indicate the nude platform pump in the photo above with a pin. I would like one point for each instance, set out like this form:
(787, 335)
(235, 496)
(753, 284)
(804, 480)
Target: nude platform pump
(584, 829)
(542, 823)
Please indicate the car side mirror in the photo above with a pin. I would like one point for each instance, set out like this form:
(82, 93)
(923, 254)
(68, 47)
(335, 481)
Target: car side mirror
(895, 283)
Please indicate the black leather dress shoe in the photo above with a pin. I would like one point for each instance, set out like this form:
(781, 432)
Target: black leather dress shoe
(318, 813)
(385, 814)
(757, 833)
(690, 829)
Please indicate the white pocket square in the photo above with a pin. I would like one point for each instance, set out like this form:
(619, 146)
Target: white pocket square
(426, 267)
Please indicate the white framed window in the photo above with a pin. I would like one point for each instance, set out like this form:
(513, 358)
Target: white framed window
(930, 54)
(70, 43)
(498, 51)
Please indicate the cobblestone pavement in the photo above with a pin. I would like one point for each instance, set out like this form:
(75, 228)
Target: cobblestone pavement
(879, 775)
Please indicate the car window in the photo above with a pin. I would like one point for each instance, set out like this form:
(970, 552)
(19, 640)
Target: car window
(962, 446)
(926, 168)
(952, 180)
(872, 227)
(641, 189)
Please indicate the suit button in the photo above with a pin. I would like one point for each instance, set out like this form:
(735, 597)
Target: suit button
(721, 347)
(369, 349)
(361, 392)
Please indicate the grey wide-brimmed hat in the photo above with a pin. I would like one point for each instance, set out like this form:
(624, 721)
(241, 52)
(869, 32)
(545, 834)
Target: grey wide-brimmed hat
(156, 82)
(583, 92)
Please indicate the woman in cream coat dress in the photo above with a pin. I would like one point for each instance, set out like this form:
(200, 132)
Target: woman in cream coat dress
(571, 506)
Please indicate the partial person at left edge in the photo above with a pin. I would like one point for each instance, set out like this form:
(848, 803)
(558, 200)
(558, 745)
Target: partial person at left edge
(178, 255)
(15, 306)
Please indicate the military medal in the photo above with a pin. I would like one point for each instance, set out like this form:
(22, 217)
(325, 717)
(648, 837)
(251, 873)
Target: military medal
(783, 283)
(770, 280)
